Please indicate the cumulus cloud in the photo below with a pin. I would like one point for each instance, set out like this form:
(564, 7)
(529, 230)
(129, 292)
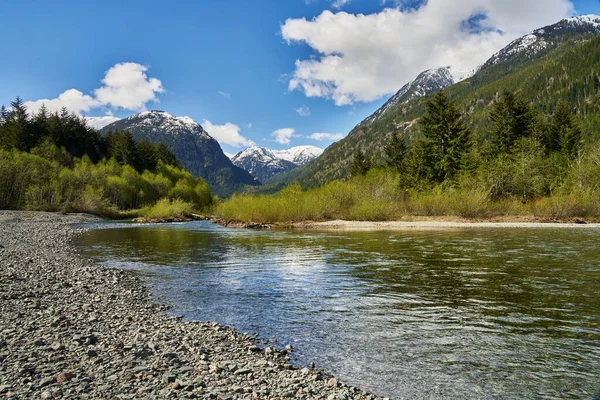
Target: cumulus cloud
(326, 136)
(228, 134)
(127, 86)
(303, 111)
(363, 57)
(284, 135)
(225, 94)
(72, 99)
(101, 122)
(124, 86)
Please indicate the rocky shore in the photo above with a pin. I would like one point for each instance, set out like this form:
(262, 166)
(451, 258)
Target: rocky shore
(74, 330)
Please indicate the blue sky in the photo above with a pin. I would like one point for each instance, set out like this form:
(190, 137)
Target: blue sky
(270, 72)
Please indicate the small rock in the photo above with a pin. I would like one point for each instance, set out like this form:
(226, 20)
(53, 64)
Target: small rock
(332, 382)
(65, 377)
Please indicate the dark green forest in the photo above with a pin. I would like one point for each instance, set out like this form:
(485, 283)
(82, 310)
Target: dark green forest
(55, 161)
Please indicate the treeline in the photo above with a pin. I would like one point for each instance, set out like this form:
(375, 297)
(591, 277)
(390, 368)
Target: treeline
(525, 155)
(526, 164)
(55, 161)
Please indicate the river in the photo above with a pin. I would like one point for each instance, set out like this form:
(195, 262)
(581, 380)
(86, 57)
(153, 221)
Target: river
(437, 314)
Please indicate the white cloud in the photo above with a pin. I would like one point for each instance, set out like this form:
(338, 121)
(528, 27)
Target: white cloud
(228, 134)
(303, 111)
(249, 125)
(340, 3)
(127, 86)
(363, 57)
(225, 94)
(284, 135)
(101, 122)
(72, 99)
(326, 136)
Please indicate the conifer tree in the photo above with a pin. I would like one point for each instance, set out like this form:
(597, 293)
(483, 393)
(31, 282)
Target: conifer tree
(513, 119)
(564, 134)
(446, 138)
(395, 151)
(360, 164)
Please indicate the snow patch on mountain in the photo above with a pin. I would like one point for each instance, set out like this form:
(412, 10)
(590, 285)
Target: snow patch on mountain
(428, 82)
(299, 155)
(264, 163)
(161, 121)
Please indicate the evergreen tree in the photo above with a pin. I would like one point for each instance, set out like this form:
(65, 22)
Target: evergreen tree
(446, 138)
(564, 134)
(395, 151)
(360, 164)
(123, 148)
(513, 119)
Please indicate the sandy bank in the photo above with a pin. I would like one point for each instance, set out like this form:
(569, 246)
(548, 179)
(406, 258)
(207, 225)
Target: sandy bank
(431, 225)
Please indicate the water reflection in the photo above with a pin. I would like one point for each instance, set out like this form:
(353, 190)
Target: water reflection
(445, 314)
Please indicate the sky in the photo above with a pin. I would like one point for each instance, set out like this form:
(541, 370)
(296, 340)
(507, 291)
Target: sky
(273, 73)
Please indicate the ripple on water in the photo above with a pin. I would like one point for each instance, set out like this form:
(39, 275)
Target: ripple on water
(471, 314)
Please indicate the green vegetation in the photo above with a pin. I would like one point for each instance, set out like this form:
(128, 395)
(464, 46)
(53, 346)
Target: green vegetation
(564, 72)
(526, 168)
(166, 208)
(56, 162)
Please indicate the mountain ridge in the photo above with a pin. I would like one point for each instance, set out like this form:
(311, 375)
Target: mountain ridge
(504, 70)
(264, 163)
(195, 149)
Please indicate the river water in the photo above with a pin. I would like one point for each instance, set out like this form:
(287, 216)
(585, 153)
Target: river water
(437, 314)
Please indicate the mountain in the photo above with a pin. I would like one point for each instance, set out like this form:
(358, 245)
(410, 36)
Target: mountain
(195, 149)
(556, 63)
(264, 163)
(299, 155)
(428, 82)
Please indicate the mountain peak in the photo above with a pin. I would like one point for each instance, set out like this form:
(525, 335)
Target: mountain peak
(264, 163)
(163, 121)
(427, 82)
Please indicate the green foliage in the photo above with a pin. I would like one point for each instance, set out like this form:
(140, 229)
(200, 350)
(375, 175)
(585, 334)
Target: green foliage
(395, 151)
(166, 208)
(446, 138)
(360, 164)
(513, 119)
(30, 181)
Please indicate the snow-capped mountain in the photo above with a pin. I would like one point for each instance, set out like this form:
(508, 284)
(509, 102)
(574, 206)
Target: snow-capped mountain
(264, 163)
(161, 121)
(194, 148)
(428, 82)
(299, 155)
(546, 38)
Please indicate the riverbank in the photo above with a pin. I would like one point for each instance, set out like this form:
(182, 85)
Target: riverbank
(73, 329)
(433, 225)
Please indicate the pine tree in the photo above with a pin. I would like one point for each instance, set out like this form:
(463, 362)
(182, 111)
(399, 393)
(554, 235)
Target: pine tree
(395, 151)
(513, 119)
(446, 138)
(360, 164)
(564, 134)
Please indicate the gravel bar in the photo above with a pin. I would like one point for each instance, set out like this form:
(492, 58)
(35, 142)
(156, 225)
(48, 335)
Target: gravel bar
(71, 329)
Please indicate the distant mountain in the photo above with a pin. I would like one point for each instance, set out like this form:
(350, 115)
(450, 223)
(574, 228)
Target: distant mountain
(264, 163)
(556, 63)
(195, 149)
(299, 155)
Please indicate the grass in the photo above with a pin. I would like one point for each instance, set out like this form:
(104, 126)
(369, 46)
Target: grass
(377, 197)
(168, 209)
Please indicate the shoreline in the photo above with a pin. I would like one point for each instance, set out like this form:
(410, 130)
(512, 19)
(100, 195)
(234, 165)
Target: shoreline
(70, 328)
(416, 223)
(340, 225)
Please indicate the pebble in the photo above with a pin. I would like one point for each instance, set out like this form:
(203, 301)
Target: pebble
(72, 329)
